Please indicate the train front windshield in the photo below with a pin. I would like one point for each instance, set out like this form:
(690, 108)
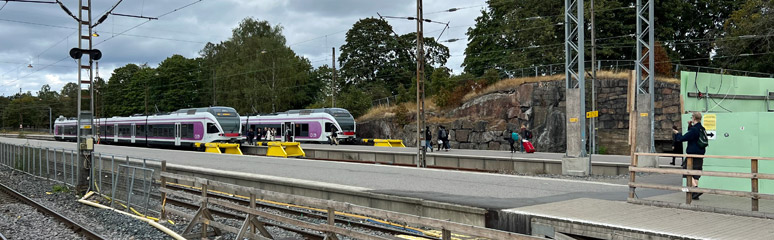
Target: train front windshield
(228, 119)
(346, 121)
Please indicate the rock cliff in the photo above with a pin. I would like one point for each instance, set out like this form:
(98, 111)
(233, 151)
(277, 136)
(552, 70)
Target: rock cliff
(483, 121)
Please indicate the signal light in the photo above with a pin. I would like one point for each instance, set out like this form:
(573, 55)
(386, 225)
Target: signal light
(77, 53)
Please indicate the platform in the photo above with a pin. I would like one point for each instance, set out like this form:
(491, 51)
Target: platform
(620, 220)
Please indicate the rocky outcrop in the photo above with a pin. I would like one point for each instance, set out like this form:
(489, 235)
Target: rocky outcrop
(483, 122)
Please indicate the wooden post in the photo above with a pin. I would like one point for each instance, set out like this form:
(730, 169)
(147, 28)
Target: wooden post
(445, 234)
(754, 181)
(688, 180)
(163, 194)
(332, 222)
(204, 208)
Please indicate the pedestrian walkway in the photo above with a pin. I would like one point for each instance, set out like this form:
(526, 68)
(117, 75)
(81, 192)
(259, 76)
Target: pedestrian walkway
(620, 220)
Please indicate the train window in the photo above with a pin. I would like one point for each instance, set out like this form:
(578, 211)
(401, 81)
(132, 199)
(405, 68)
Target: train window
(302, 130)
(109, 130)
(211, 128)
(139, 130)
(328, 127)
(186, 131)
(124, 130)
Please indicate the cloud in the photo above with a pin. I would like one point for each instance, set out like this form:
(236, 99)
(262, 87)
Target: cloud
(43, 34)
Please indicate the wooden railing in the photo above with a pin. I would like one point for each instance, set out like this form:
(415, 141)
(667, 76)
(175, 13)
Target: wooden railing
(753, 175)
(203, 216)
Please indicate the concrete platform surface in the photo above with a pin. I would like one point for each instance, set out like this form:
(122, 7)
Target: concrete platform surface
(664, 222)
(484, 190)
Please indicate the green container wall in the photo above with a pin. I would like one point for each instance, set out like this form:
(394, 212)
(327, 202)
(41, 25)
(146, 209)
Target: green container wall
(744, 127)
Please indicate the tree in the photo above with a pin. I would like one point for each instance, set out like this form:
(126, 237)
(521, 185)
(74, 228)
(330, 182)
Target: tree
(373, 54)
(255, 69)
(749, 38)
(509, 35)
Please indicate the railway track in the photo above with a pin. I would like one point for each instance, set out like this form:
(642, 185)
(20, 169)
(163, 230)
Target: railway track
(293, 211)
(8, 194)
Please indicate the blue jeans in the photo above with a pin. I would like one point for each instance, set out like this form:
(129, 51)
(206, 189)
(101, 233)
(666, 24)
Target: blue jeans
(428, 145)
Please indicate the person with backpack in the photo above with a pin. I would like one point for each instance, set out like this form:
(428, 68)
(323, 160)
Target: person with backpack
(697, 145)
(514, 138)
(250, 136)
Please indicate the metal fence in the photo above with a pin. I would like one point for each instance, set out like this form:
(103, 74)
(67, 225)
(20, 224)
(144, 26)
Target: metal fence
(127, 183)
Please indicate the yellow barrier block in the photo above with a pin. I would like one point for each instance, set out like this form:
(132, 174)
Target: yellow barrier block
(285, 149)
(388, 143)
(230, 148)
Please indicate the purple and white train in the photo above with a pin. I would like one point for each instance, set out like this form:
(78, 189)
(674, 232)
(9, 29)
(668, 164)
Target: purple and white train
(189, 127)
(305, 125)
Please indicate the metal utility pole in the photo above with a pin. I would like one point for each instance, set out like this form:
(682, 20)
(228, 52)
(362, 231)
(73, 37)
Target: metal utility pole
(593, 123)
(575, 73)
(420, 85)
(85, 123)
(333, 79)
(645, 38)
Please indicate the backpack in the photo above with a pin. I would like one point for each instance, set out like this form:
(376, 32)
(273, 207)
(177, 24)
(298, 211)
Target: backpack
(703, 141)
(443, 133)
(528, 134)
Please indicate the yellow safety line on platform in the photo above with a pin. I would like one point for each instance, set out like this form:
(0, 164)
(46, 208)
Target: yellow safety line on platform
(432, 233)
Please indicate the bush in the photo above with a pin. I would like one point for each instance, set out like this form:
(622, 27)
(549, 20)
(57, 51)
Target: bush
(401, 115)
(602, 150)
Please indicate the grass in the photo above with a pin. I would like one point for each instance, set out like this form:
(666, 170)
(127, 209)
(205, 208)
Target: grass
(382, 111)
(60, 188)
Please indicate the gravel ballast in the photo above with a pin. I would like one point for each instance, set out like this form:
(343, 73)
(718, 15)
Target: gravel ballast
(106, 223)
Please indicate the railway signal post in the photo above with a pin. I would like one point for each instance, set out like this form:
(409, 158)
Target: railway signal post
(85, 123)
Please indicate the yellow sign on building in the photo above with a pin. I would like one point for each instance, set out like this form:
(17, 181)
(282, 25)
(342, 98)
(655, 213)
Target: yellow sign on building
(709, 121)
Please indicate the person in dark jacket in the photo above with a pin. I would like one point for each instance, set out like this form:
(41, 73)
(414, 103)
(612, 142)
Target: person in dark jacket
(695, 130)
(677, 146)
(428, 139)
(250, 136)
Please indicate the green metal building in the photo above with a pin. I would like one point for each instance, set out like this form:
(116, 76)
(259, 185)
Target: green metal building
(739, 118)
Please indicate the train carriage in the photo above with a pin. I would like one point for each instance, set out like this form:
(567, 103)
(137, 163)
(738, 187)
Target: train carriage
(305, 125)
(183, 128)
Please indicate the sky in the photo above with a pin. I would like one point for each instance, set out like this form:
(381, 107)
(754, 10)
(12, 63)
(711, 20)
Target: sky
(35, 38)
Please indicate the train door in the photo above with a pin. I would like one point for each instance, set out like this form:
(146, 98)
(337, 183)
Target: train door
(115, 132)
(133, 131)
(288, 131)
(177, 134)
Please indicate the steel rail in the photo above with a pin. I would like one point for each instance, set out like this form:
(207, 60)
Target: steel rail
(77, 228)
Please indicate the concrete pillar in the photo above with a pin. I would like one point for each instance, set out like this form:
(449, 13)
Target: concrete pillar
(643, 131)
(573, 123)
(573, 163)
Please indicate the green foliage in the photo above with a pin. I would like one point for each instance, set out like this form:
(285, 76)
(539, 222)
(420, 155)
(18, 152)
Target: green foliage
(754, 21)
(491, 76)
(60, 188)
(373, 55)
(401, 115)
(602, 150)
(354, 100)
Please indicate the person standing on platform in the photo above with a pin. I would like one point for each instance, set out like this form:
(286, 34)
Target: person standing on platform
(515, 139)
(250, 135)
(510, 140)
(443, 135)
(525, 135)
(428, 139)
(697, 145)
(334, 137)
(677, 146)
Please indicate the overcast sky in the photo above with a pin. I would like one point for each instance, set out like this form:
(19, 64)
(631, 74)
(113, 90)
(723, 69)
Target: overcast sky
(40, 35)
